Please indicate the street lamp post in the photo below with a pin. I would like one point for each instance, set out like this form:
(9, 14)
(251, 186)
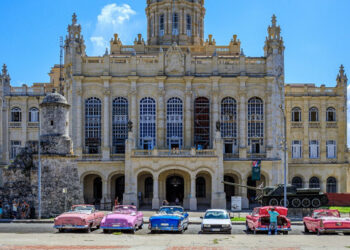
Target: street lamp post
(39, 166)
(284, 156)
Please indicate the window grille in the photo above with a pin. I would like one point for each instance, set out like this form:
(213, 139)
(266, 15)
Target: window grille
(34, 115)
(175, 24)
(314, 149)
(201, 123)
(255, 124)
(331, 115)
(93, 125)
(161, 25)
(120, 118)
(16, 115)
(296, 115)
(147, 123)
(174, 122)
(229, 124)
(189, 25)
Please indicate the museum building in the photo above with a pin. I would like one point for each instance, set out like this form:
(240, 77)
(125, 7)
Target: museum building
(173, 116)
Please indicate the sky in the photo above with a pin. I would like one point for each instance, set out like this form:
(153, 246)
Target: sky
(316, 32)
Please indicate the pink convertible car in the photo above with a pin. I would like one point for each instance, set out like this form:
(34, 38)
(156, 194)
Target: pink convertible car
(80, 217)
(326, 221)
(124, 217)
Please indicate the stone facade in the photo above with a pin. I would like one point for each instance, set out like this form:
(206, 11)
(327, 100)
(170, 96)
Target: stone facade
(173, 90)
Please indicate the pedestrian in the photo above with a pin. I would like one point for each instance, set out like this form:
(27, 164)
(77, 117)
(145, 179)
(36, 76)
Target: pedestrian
(1, 211)
(273, 220)
(165, 203)
(116, 202)
(14, 209)
(177, 201)
(24, 210)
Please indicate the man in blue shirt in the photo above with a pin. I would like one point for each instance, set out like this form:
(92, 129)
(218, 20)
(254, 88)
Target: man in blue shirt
(273, 220)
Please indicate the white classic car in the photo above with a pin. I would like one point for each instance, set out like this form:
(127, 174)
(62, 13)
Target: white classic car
(216, 220)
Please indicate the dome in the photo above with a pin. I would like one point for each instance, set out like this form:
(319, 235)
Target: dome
(54, 97)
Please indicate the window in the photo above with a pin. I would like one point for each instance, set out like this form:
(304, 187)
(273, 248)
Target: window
(297, 182)
(296, 115)
(296, 149)
(174, 123)
(189, 25)
(34, 115)
(16, 115)
(314, 149)
(120, 120)
(314, 182)
(229, 124)
(175, 24)
(331, 115)
(201, 123)
(147, 123)
(331, 149)
(313, 115)
(93, 125)
(149, 187)
(33, 145)
(255, 124)
(161, 25)
(15, 149)
(200, 187)
(331, 185)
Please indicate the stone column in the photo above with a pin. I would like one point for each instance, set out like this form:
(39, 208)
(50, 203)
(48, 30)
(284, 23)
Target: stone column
(5, 131)
(323, 123)
(77, 119)
(215, 107)
(106, 196)
(193, 198)
(269, 112)
(106, 124)
(155, 200)
(188, 113)
(133, 108)
(243, 140)
(161, 114)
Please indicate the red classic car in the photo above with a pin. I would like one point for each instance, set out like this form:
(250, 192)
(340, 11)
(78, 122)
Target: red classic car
(259, 220)
(326, 221)
(80, 217)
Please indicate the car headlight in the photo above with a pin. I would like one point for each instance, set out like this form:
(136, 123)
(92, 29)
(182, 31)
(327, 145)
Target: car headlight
(226, 225)
(206, 225)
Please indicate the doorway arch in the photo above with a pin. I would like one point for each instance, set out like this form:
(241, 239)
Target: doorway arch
(92, 184)
(175, 189)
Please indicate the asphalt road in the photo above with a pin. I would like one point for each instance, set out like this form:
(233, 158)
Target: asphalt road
(20, 228)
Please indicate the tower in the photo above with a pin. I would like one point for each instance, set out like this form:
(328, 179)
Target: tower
(175, 21)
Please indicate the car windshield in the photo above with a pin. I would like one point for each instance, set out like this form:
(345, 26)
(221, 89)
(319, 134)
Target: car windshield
(216, 215)
(124, 210)
(83, 209)
(171, 210)
(326, 214)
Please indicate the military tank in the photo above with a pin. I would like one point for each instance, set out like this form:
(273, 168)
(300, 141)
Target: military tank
(296, 197)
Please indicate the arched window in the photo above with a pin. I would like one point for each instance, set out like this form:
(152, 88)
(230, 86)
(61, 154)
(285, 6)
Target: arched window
(16, 115)
(175, 24)
(149, 187)
(331, 115)
(189, 25)
(147, 123)
(200, 187)
(331, 185)
(161, 25)
(92, 125)
(296, 115)
(174, 123)
(201, 123)
(297, 181)
(229, 124)
(120, 124)
(255, 124)
(313, 114)
(314, 182)
(34, 115)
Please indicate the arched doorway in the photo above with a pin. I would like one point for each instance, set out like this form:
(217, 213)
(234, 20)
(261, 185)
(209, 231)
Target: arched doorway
(92, 189)
(203, 190)
(119, 188)
(175, 189)
(145, 189)
(251, 193)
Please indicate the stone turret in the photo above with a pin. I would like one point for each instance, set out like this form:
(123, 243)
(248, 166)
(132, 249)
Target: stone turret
(4, 81)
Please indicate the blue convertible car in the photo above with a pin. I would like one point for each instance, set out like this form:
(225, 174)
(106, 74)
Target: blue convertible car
(169, 218)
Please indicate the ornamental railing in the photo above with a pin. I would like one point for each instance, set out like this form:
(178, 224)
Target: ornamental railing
(174, 153)
(15, 124)
(297, 125)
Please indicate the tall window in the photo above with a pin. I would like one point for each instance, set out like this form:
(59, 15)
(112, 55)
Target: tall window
(174, 123)
(297, 181)
(16, 115)
(15, 149)
(200, 187)
(189, 25)
(147, 123)
(313, 114)
(331, 185)
(296, 149)
(161, 25)
(314, 182)
(201, 123)
(255, 124)
(34, 115)
(92, 125)
(120, 124)
(175, 24)
(331, 149)
(314, 149)
(331, 115)
(296, 115)
(229, 124)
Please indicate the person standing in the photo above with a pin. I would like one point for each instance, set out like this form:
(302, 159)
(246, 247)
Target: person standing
(273, 220)
(14, 209)
(1, 211)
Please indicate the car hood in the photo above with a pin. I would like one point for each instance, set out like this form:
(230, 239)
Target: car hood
(167, 216)
(216, 221)
(334, 219)
(120, 216)
(73, 214)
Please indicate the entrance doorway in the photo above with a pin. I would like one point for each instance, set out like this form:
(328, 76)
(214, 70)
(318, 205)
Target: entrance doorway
(97, 190)
(119, 188)
(175, 189)
(251, 193)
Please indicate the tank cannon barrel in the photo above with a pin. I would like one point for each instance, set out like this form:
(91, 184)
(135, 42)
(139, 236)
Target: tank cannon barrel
(240, 185)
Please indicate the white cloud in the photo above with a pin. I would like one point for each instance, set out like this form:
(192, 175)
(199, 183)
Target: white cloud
(113, 19)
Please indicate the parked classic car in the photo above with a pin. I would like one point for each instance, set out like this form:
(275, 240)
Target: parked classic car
(124, 217)
(80, 217)
(169, 218)
(216, 220)
(326, 221)
(259, 220)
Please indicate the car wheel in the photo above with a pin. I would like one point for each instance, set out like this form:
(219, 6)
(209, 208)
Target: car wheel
(306, 230)
(285, 233)
(105, 231)
(228, 231)
(61, 230)
(318, 232)
(97, 227)
(88, 230)
(140, 227)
